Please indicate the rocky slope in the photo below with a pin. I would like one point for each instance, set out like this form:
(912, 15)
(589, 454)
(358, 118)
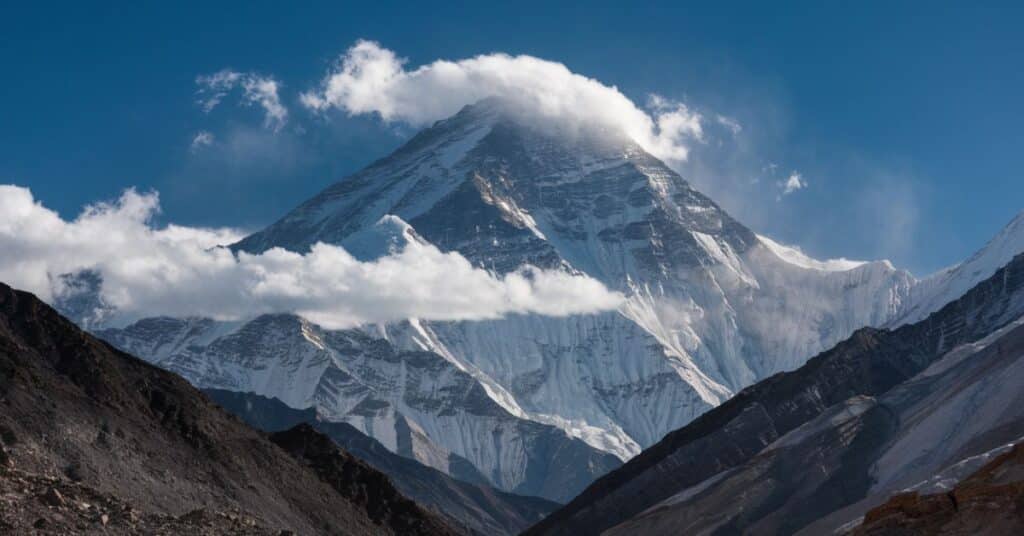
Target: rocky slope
(83, 420)
(988, 502)
(37, 504)
(475, 507)
(877, 411)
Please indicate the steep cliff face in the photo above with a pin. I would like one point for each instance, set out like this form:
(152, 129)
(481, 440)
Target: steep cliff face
(149, 451)
(881, 410)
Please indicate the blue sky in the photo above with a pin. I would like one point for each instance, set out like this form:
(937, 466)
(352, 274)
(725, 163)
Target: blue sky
(901, 120)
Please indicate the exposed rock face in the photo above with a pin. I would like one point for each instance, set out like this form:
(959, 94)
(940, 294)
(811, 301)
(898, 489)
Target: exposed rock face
(86, 420)
(474, 506)
(989, 502)
(744, 465)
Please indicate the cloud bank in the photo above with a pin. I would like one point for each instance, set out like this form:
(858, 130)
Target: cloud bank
(370, 79)
(178, 271)
(256, 90)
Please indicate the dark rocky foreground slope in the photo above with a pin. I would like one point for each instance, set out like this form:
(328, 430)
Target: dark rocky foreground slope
(988, 503)
(94, 440)
(470, 506)
(869, 364)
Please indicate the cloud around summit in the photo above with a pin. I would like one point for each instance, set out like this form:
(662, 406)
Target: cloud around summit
(371, 79)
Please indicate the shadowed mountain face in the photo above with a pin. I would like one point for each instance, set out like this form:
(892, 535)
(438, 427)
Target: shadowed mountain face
(880, 410)
(81, 416)
(474, 506)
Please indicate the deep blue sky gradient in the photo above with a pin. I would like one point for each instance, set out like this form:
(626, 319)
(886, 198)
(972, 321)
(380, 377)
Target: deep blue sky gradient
(904, 119)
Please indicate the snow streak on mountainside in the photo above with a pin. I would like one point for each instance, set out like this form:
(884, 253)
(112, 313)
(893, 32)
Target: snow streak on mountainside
(711, 308)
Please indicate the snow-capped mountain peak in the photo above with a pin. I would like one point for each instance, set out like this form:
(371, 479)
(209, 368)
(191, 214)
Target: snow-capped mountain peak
(711, 306)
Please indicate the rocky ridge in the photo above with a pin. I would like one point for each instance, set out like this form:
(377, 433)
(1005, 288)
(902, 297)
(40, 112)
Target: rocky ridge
(84, 422)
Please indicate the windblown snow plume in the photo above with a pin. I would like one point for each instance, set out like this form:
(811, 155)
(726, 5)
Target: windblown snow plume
(373, 79)
(180, 271)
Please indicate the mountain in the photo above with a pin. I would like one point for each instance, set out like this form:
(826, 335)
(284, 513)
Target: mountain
(474, 507)
(94, 440)
(712, 307)
(882, 410)
(416, 402)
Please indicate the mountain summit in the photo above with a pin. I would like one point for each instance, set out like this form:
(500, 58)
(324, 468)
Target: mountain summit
(494, 179)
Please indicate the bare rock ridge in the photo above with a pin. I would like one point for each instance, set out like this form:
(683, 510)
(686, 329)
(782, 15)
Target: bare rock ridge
(988, 503)
(736, 435)
(103, 439)
(474, 507)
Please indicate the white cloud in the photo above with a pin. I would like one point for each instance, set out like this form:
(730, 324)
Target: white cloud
(256, 90)
(793, 183)
(202, 139)
(177, 271)
(372, 79)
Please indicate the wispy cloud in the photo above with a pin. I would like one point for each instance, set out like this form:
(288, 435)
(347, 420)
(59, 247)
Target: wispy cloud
(179, 271)
(793, 183)
(370, 79)
(202, 139)
(256, 90)
(733, 125)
